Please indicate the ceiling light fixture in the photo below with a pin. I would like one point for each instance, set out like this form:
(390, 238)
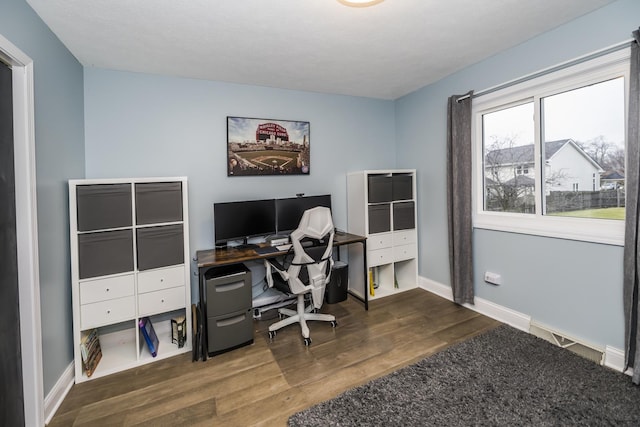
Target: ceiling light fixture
(360, 3)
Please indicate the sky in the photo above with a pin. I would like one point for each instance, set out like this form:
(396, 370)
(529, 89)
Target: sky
(581, 114)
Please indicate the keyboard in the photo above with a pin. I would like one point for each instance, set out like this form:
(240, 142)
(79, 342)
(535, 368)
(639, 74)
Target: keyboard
(266, 250)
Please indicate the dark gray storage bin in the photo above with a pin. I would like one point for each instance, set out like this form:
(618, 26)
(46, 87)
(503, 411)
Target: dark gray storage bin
(158, 202)
(160, 246)
(106, 252)
(379, 218)
(404, 216)
(336, 290)
(380, 188)
(229, 331)
(102, 206)
(228, 289)
(402, 186)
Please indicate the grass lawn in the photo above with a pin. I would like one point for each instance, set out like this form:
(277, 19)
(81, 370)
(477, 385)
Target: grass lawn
(604, 213)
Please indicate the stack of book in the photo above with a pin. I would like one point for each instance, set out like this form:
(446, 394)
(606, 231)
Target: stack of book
(91, 351)
(178, 330)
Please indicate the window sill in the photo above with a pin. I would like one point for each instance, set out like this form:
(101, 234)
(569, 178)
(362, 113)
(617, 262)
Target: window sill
(603, 231)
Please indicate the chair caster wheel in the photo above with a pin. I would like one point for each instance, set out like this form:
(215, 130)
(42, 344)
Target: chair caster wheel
(334, 323)
(272, 334)
(307, 341)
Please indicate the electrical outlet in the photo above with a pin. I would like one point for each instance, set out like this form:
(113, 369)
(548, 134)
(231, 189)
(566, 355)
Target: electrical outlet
(493, 278)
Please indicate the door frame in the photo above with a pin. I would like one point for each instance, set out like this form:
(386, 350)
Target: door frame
(26, 230)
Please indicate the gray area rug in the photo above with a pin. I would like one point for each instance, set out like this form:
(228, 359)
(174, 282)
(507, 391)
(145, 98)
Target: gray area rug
(504, 377)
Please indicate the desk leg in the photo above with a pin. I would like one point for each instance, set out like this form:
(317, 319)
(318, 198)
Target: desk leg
(202, 321)
(365, 278)
(365, 272)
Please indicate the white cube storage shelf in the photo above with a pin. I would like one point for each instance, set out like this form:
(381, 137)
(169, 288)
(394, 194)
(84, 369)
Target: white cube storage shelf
(382, 207)
(129, 259)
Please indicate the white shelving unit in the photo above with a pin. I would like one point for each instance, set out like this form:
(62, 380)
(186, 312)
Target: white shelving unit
(129, 259)
(382, 207)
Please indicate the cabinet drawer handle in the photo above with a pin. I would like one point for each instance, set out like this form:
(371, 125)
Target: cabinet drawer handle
(162, 300)
(107, 289)
(108, 311)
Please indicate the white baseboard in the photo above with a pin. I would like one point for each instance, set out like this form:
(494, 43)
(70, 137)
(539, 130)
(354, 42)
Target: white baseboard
(482, 306)
(613, 357)
(54, 399)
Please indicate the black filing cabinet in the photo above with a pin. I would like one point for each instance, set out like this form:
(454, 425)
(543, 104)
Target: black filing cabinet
(227, 303)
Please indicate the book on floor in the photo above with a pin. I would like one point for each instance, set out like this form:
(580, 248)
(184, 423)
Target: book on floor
(149, 334)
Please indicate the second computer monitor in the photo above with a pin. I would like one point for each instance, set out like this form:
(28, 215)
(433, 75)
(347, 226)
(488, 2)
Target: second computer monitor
(289, 211)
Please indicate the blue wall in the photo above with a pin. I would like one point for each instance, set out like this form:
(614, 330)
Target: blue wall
(140, 125)
(59, 140)
(144, 125)
(574, 287)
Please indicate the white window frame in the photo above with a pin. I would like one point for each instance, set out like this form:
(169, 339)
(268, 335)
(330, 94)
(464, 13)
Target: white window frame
(596, 70)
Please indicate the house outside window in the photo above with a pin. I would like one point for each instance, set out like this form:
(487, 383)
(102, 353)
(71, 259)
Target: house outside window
(550, 153)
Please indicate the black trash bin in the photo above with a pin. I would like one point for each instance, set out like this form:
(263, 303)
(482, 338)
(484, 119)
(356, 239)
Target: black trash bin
(336, 290)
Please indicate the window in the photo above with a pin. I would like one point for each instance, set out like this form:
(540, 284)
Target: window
(507, 136)
(550, 153)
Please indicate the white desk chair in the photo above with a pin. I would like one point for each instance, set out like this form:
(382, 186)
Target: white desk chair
(315, 226)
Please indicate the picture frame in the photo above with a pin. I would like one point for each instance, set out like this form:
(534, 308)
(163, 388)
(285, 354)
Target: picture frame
(267, 147)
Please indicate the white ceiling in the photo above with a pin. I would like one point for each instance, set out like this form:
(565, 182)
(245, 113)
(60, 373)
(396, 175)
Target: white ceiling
(384, 51)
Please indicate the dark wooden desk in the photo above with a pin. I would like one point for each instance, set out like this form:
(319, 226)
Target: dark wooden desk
(226, 256)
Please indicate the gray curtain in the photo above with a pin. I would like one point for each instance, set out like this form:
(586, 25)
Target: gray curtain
(459, 197)
(631, 241)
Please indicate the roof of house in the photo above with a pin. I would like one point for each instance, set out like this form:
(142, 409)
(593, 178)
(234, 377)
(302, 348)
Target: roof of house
(521, 181)
(518, 181)
(612, 175)
(524, 154)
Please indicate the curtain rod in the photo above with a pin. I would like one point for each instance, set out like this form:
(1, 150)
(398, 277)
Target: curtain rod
(543, 72)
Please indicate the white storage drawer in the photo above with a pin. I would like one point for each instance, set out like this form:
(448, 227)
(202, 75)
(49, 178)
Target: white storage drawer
(161, 301)
(400, 253)
(107, 312)
(105, 289)
(379, 257)
(379, 240)
(162, 278)
(404, 237)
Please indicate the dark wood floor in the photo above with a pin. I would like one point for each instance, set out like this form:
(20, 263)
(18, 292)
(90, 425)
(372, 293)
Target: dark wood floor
(264, 383)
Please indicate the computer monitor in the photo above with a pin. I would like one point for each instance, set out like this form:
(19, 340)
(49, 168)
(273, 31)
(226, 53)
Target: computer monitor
(289, 211)
(241, 220)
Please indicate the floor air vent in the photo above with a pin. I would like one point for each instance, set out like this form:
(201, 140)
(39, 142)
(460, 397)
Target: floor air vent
(562, 340)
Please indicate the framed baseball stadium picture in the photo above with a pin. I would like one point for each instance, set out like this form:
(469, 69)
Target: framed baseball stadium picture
(267, 147)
